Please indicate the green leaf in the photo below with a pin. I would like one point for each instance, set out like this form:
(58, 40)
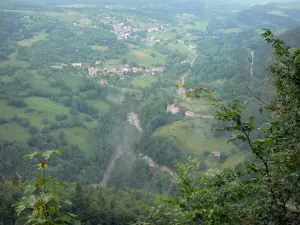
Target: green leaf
(68, 202)
(48, 154)
(31, 156)
(237, 136)
(29, 189)
(233, 92)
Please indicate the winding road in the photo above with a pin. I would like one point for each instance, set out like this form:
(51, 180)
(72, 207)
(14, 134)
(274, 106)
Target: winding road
(181, 80)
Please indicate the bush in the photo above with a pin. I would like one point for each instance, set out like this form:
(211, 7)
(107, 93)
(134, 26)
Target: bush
(17, 102)
(4, 120)
(88, 119)
(45, 130)
(223, 157)
(46, 121)
(61, 117)
(33, 130)
(24, 122)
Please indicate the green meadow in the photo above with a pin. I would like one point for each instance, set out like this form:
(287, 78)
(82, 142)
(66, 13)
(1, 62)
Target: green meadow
(37, 37)
(144, 81)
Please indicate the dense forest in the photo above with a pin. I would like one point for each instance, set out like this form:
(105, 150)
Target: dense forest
(143, 112)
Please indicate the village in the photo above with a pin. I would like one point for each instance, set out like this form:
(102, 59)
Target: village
(124, 32)
(94, 72)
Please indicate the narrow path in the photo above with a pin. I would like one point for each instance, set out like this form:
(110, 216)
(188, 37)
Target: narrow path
(252, 63)
(117, 154)
(181, 81)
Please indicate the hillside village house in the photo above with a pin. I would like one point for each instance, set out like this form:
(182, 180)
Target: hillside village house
(77, 64)
(104, 82)
(123, 70)
(189, 113)
(216, 154)
(172, 109)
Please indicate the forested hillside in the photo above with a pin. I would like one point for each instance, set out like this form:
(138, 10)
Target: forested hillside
(115, 85)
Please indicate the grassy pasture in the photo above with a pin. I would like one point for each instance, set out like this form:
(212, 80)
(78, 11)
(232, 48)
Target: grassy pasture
(99, 47)
(196, 105)
(277, 13)
(37, 37)
(12, 60)
(45, 104)
(180, 47)
(143, 56)
(200, 24)
(100, 105)
(13, 132)
(112, 63)
(144, 81)
(76, 6)
(233, 30)
(194, 136)
(77, 136)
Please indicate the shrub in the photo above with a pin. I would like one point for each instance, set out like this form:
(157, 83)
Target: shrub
(33, 130)
(46, 121)
(3, 120)
(17, 102)
(61, 117)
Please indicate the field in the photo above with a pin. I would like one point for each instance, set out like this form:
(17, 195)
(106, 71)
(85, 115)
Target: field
(277, 13)
(143, 57)
(112, 63)
(144, 81)
(100, 105)
(233, 30)
(13, 132)
(196, 105)
(37, 37)
(12, 60)
(78, 136)
(76, 6)
(36, 111)
(201, 25)
(180, 47)
(99, 47)
(194, 137)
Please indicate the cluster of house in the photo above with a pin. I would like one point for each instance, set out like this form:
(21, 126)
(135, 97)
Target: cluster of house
(124, 32)
(174, 109)
(94, 71)
(82, 25)
(103, 82)
(151, 39)
(59, 66)
(76, 65)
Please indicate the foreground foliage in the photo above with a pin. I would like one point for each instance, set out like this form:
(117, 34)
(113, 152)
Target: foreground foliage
(42, 201)
(265, 191)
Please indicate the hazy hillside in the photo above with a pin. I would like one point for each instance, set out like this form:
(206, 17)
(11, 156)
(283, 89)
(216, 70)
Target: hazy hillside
(112, 83)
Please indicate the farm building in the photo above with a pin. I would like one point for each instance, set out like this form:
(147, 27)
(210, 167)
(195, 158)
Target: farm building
(189, 113)
(173, 109)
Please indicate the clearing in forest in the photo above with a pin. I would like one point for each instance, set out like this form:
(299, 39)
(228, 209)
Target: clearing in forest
(39, 36)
